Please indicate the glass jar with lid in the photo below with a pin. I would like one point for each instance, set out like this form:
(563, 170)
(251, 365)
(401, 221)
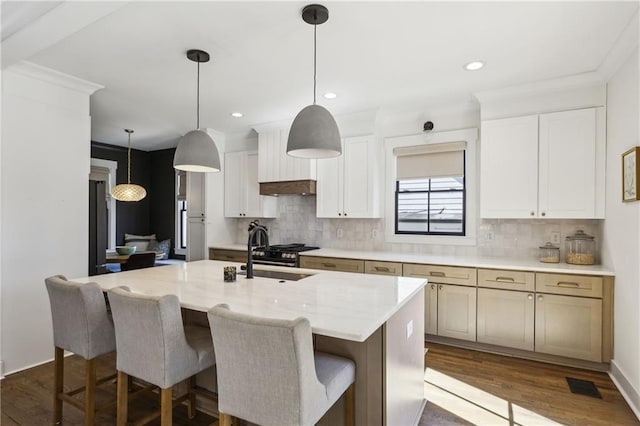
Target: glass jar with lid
(580, 248)
(549, 253)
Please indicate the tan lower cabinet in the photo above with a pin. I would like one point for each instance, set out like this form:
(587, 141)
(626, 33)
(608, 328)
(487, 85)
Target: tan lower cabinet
(332, 264)
(506, 318)
(431, 309)
(230, 255)
(569, 326)
(457, 312)
(382, 268)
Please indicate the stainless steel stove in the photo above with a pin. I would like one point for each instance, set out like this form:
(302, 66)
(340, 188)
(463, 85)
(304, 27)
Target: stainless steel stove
(280, 255)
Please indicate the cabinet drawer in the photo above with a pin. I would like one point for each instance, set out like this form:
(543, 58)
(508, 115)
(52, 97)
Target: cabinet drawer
(229, 255)
(382, 268)
(507, 280)
(441, 274)
(573, 285)
(332, 264)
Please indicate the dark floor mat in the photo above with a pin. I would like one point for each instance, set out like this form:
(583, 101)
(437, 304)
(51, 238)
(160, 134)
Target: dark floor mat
(583, 387)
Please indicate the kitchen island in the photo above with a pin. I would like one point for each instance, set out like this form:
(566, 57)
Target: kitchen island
(375, 320)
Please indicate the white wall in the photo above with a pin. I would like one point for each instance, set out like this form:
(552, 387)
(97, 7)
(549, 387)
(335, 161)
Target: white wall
(45, 170)
(621, 247)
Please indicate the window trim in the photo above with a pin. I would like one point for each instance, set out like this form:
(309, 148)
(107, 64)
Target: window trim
(112, 166)
(470, 136)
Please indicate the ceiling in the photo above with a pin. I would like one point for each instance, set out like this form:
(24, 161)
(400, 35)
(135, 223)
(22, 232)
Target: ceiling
(387, 55)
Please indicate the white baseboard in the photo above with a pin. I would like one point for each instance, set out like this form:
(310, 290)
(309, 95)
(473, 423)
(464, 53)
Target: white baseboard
(629, 393)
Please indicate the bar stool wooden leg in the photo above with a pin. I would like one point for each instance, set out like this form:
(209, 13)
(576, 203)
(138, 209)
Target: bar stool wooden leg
(166, 406)
(191, 407)
(225, 419)
(122, 399)
(90, 392)
(58, 386)
(350, 406)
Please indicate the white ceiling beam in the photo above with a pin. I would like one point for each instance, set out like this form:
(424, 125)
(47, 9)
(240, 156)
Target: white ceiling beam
(52, 27)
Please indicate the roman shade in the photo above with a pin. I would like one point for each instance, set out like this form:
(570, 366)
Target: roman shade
(430, 160)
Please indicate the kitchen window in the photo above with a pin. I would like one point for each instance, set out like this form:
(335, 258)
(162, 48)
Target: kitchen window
(431, 188)
(430, 206)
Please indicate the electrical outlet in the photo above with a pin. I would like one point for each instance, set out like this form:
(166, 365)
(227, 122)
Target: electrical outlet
(409, 329)
(490, 236)
(340, 233)
(374, 234)
(555, 237)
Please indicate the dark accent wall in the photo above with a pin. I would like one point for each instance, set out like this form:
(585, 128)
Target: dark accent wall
(162, 204)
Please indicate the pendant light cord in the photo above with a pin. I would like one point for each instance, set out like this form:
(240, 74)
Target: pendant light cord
(315, 26)
(198, 100)
(129, 161)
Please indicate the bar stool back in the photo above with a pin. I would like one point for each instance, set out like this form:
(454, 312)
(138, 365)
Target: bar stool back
(154, 346)
(80, 325)
(269, 374)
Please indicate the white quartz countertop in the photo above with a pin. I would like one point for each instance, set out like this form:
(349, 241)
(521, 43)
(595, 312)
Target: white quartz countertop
(467, 261)
(338, 304)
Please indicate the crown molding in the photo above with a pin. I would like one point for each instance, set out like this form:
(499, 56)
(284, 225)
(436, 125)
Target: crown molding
(52, 76)
(622, 49)
(587, 79)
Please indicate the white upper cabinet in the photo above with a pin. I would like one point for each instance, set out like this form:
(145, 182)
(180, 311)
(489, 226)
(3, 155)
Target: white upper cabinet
(349, 186)
(544, 166)
(275, 165)
(241, 188)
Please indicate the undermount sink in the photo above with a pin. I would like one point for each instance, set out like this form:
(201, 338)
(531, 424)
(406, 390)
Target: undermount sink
(278, 275)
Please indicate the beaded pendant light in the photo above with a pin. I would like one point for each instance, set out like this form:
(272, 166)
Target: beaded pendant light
(128, 191)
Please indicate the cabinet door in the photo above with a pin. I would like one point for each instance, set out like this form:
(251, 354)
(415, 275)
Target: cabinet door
(457, 312)
(569, 326)
(256, 205)
(196, 237)
(567, 164)
(509, 168)
(506, 318)
(235, 193)
(431, 309)
(195, 194)
(361, 177)
(329, 188)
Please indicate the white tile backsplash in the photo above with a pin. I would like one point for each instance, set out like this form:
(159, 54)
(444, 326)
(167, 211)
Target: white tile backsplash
(513, 238)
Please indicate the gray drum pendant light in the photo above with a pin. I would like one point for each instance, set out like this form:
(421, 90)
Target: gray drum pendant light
(314, 132)
(196, 150)
(128, 191)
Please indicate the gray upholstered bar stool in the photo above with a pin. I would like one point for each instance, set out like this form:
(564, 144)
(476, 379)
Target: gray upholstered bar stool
(154, 345)
(269, 374)
(80, 325)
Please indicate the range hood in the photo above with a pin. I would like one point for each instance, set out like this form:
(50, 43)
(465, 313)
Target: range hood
(289, 187)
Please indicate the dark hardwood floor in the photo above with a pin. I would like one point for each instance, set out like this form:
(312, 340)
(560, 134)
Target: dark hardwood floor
(469, 387)
(517, 391)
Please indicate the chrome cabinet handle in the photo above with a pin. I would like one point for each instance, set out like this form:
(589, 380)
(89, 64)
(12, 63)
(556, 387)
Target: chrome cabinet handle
(381, 269)
(433, 286)
(567, 284)
(436, 274)
(440, 287)
(505, 279)
(530, 296)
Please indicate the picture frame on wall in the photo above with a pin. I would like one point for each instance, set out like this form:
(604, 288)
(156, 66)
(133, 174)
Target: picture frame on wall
(630, 175)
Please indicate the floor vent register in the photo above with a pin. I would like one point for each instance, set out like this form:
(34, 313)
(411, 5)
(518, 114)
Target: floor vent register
(583, 387)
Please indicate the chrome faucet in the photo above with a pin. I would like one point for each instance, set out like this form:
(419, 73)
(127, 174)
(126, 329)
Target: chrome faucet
(254, 228)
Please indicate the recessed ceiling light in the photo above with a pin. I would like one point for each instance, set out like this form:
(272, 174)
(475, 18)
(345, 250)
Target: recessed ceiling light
(330, 95)
(237, 114)
(474, 66)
